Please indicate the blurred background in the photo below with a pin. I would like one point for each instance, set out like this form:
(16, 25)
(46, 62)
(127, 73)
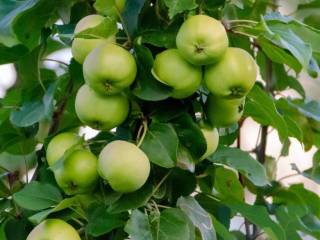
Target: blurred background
(250, 130)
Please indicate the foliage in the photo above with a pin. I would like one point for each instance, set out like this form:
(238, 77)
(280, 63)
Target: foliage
(183, 198)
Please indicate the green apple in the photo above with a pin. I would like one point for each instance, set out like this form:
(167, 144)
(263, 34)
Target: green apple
(53, 229)
(125, 166)
(212, 139)
(224, 112)
(109, 69)
(77, 173)
(59, 144)
(202, 40)
(170, 68)
(102, 112)
(233, 76)
(81, 47)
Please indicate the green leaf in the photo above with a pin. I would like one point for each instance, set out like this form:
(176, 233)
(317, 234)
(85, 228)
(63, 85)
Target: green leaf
(198, 216)
(261, 107)
(106, 7)
(105, 29)
(138, 226)
(242, 162)
(174, 225)
(278, 54)
(13, 162)
(33, 112)
(190, 135)
(12, 54)
(161, 144)
(13, 29)
(257, 215)
(28, 114)
(226, 182)
(132, 200)
(310, 109)
(180, 183)
(147, 87)
(222, 231)
(37, 196)
(65, 203)
(100, 221)
(179, 6)
(131, 14)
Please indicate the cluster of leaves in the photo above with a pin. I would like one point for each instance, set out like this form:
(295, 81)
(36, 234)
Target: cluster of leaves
(181, 200)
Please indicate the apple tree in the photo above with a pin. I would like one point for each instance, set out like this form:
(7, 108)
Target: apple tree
(168, 85)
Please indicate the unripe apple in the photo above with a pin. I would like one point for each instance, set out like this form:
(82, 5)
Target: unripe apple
(101, 112)
(59, 144)
(109, 69)
(202, 40)
(125, 166)
(233, 76)
(77, 173)
(212, 139)
(81, 47)
(53, 229)
(172, 69)
(224, 112)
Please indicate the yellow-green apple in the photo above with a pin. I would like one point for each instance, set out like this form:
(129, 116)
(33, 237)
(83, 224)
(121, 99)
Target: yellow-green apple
(81, 47)
(125, 166)
(109, 69)
(202, 40)
(172, 69)
(53, 229)
(102, 112)
(223, 112)
(59, 144)
(77, 173)
(233, 76)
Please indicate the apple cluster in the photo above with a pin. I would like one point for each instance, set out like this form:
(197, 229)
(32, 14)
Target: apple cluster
(203, 57)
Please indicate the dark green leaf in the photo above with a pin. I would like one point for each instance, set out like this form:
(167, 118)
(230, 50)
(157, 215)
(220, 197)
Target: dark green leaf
(261, 107)
(100, 221)
(226, 182)
(179, 6)
(37, 196)
(131, 200)
(138, 226)
(243, 162)
(190, 135)
(198, 216)
(131, 14)
(259, 216)
(161, 144)
(174, 225)
(147, 87)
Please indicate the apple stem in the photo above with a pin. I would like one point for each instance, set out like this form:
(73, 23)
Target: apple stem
(144, 126)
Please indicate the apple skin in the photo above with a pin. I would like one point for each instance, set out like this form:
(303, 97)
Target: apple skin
(172, 69)
(78, 172)
(53, 229)
(81, 47)
(109, 69)
(202, 40)
(125, 166)
(59, 144)
(233, 76)
(224, 112)
(101, 112)
(212, 139)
